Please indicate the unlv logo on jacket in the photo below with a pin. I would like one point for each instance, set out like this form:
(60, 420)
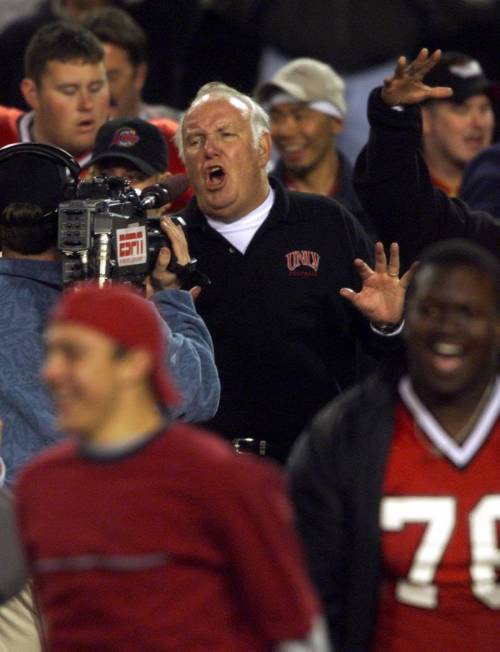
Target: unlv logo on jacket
(296, 259)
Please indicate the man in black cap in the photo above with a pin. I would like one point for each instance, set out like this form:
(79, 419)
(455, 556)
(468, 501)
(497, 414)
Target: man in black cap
(392, 179)
(456, 129)
(132, 148)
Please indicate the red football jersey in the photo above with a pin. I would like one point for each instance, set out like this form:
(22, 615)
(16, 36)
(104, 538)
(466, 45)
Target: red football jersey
(9, 118)
(440, 522)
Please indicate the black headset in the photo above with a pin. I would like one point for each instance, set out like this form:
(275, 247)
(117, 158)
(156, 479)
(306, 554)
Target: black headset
(56, 155)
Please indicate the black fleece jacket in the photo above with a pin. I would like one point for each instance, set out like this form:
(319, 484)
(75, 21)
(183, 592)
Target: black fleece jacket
(285, 340)
(394, 187)
(336, 474)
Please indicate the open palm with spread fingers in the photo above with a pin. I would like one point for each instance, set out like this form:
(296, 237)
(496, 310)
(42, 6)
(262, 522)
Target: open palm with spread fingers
(381, 299)
(406, 86)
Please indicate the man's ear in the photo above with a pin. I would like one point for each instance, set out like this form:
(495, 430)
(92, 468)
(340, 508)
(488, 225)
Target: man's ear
(136, 366)
(426, 121)
(337, 125)
(264, 149)
(30, 93)
(141, 72)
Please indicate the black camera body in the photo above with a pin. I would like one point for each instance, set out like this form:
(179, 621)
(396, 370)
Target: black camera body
(104, 233)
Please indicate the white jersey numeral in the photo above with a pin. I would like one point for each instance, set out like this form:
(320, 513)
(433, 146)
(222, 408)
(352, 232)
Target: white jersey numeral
(485, 553)
(439, 513)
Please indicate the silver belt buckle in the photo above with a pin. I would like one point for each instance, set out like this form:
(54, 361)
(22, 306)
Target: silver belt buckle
(249, 445)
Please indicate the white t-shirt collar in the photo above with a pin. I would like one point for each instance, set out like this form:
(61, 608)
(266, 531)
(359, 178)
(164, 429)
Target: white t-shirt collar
(240, 232)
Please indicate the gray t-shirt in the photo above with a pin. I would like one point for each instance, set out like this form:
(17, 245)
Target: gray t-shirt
(13, 573)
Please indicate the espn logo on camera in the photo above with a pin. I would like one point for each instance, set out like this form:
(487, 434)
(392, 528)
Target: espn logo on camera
(131, 246)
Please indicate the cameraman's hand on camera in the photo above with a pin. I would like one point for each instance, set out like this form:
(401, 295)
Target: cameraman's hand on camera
(161, 278)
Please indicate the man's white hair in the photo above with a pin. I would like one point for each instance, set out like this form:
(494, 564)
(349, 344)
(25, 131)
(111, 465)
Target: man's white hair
(258, 118)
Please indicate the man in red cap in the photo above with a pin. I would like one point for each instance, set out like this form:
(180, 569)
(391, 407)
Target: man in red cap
(145, 534)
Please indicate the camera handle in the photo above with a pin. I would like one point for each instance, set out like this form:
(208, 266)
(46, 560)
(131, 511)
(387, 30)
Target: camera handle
(102, 258)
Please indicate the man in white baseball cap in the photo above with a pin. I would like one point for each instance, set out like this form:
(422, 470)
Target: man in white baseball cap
(306, 103)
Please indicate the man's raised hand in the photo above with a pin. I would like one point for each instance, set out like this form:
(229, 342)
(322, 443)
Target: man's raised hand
(381, 299)
(406, 87)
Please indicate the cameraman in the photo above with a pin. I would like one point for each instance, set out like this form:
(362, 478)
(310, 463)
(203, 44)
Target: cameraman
(30, 284)
(131, 148)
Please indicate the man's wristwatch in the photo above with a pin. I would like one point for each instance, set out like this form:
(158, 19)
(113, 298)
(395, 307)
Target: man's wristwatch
(387, 329)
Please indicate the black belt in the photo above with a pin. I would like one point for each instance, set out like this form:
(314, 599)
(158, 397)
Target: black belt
(245, 445)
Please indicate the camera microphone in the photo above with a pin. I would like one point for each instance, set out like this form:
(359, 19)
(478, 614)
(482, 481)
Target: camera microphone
(164, 193)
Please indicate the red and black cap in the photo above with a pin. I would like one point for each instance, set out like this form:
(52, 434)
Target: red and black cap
(134, 140)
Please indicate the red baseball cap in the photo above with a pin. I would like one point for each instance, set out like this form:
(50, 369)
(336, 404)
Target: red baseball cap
(120, 313)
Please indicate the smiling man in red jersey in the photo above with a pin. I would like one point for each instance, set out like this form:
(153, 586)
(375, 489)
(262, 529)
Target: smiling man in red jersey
(456, 129)
(67, 89)
(396, 484)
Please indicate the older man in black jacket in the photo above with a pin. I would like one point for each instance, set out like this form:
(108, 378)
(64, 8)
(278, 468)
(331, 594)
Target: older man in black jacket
(285, 340)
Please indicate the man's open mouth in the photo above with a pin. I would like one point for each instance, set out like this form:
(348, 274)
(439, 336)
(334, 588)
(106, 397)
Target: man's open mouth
(215, 177)
(447, 356)
(86, 125)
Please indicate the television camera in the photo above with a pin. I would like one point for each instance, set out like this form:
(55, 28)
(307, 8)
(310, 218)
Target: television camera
(104, 233)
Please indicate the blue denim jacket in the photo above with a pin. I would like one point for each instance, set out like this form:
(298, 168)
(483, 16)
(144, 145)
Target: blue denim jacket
(28, 290)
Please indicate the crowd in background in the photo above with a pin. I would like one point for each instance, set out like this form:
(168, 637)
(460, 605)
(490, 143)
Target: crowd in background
(327, 303)
(191, 42)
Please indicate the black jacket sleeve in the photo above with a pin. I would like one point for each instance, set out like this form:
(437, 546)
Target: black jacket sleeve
(336, 472)
(395, 189)
(318, 495)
